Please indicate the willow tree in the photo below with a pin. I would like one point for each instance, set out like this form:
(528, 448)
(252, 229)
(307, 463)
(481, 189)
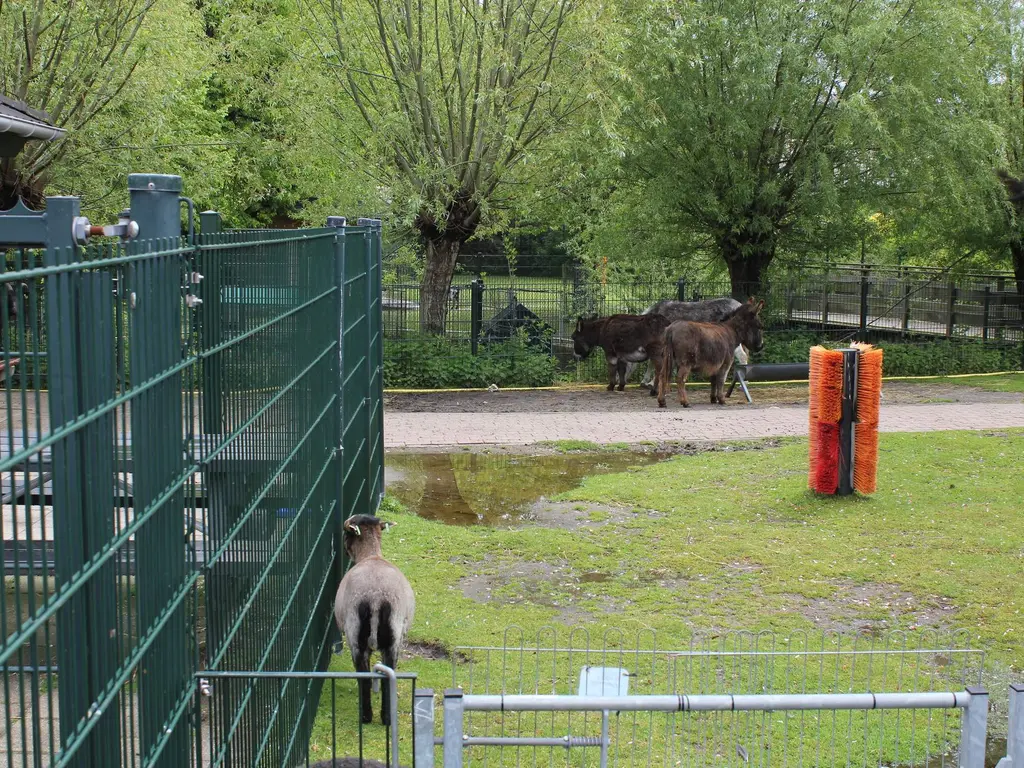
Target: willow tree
(762, 125)
(453, 98)
(70, 59)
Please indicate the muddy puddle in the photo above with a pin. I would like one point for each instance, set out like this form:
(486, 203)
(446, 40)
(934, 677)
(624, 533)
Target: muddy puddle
(484, 489)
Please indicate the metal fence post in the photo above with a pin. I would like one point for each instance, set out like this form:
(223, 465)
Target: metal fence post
(341, 557)
(681, 289)
(374, 361)
(453, 728)
(1015, 729)
(157, 443)
(865, 286)
(951, 321)
(972, 729)
(476, 312)
(80, 376)
(846, 425)
(985, 309)
(423, 728)
(907, 290)
(210, 325)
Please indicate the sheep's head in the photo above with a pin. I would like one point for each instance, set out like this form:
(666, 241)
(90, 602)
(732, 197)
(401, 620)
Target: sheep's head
(363, 535)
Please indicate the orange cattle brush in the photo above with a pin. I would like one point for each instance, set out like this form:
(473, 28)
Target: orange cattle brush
(829, 429)
(869, 401)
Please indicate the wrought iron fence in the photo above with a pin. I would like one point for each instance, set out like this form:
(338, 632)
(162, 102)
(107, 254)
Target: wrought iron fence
(184, 421)
(977, 318)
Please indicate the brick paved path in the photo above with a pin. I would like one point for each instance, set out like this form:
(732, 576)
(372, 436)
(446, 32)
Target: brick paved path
(407, 430)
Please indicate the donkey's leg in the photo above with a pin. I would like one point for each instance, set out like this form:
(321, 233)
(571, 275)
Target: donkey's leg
(611, 374)
(684, 372)
(717, 382)
(622, 374)
(654, 364)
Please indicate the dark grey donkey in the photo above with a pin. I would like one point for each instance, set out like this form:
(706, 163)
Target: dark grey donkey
(710, 311)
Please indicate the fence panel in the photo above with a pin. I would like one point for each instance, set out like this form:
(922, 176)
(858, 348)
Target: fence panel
(170, 455)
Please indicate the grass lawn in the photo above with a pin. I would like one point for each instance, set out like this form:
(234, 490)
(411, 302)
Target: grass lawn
(725, 541)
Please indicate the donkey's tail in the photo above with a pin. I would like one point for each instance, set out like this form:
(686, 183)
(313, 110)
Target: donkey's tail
(667, 363)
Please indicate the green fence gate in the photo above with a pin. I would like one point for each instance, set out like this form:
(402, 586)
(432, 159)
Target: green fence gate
(185, 422)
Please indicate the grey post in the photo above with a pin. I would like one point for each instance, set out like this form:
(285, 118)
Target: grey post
(605, 739)
(1015, 729)
(681, 289)
(972, 729)
(453, 728)
(423, 728)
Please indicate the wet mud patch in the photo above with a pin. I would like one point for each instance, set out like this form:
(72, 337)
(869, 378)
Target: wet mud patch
(551, 585)
(873, 609)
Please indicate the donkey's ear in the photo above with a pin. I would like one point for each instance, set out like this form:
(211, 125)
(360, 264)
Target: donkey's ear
(579, 323)
(759, 306)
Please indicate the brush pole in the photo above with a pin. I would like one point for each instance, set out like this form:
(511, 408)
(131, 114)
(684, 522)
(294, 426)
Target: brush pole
(846, 424)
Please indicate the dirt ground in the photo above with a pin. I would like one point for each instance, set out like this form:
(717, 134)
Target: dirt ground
(595, 399)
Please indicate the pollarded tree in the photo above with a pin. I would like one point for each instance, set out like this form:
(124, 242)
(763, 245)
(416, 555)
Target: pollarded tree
(455, 98)
(70, 59)
(754, 121)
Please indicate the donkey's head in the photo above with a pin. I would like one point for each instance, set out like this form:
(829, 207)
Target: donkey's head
(747, 322)
(363, 536)
(583, 338)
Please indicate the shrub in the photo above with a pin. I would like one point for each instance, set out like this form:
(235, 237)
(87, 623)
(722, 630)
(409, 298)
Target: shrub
(431, 362)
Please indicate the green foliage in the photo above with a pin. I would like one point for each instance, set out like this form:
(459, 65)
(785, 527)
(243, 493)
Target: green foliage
(432, 362)
(904, 358)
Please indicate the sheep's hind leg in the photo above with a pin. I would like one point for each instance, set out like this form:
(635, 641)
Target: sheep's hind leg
(388, 660)
(362, 664)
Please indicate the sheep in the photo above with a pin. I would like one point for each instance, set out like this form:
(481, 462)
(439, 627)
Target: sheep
(374, 606)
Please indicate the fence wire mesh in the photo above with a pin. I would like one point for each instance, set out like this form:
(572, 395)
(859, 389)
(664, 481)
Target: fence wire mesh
(552, 661)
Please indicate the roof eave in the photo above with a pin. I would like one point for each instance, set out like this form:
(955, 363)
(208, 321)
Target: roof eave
(29, 129)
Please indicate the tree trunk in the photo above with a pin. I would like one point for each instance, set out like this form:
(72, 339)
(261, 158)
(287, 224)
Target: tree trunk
(13, 188)
(747, 267)
(442, 254)
(1017, 253)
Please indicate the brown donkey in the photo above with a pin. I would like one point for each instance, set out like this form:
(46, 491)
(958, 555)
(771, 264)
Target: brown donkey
(709, 348)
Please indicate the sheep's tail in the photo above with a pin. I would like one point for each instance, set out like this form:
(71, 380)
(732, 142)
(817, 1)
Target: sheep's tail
(365, 613)
(385, 632)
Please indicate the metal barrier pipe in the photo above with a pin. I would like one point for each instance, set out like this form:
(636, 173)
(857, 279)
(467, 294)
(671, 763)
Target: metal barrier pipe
(716, 703)
(389, 673)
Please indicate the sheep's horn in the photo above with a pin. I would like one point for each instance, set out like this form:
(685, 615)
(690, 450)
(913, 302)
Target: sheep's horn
(356, 529)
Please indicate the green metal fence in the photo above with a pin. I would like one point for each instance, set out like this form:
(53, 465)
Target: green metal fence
(185, 420)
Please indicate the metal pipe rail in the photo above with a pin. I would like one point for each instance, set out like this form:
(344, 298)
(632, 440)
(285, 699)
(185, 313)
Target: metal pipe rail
(973, 701)
(715, 703)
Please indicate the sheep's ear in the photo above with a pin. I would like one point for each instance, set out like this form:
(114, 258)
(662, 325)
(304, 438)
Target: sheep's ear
(389, 525)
